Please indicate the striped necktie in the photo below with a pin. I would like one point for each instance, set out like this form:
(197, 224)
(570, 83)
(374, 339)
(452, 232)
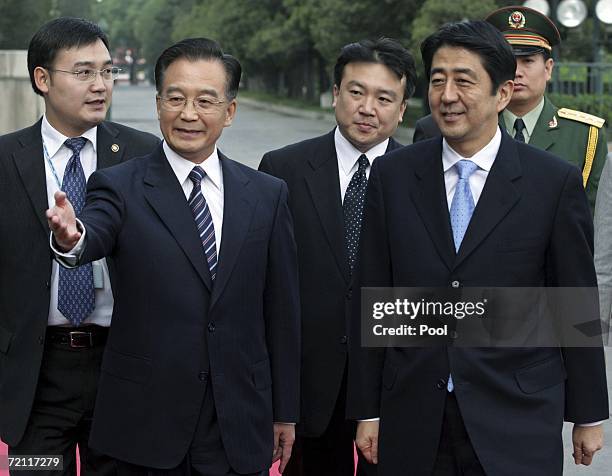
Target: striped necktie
(203, 219)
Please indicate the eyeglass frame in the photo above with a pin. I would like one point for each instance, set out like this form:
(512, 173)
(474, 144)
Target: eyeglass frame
(87, 79)
(214, 104)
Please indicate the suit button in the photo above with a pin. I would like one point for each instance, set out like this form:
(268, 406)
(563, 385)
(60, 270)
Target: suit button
(343, 340)
(455, 284)
(48, 285)
(211, 327)
(454, 334)
(441, 384)
(41, 340)
(203, 376)
(349, 293)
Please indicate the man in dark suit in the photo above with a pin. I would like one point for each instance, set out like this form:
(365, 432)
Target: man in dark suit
(201, 370)
(50, 356)
(463, 210)
(572, 135)
(327, 177)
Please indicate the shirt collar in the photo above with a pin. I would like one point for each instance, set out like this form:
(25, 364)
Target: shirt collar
(54, 139)
(182, 167)
(348, 154)
(484, 158)
(530, 119)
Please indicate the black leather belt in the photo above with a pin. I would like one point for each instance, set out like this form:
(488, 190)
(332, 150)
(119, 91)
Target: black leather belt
(84, 337)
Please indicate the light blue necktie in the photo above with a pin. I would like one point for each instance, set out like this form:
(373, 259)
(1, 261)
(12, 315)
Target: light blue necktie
(75, 295)
(203, 219)
(461, 211)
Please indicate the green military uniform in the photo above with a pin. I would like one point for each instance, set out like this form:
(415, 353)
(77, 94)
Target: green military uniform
(575, 136)
(566, 134)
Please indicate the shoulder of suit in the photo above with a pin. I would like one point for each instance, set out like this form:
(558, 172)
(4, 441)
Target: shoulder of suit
(582, 117)
(131, 131)
(302, 147)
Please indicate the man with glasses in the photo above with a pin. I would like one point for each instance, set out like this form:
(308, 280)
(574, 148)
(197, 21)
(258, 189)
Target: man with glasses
(54, 322)
(201, 371)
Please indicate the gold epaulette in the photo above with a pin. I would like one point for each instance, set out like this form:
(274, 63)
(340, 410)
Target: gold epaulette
(581, 117)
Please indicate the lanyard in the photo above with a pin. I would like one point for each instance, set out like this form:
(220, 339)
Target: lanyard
(53, 171)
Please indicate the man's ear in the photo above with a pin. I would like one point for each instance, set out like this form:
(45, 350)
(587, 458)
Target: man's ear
(42, 79)
(504, 94)
(335, 93)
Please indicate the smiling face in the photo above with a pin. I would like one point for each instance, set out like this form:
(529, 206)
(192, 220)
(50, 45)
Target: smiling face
(461, 101)
(190, 134)
(369, 104)
(532, 74)
(73, 106)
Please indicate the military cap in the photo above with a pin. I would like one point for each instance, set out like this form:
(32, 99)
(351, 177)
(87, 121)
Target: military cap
(527, 30)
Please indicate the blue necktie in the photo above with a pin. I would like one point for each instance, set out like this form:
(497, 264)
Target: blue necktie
(461, 211)
(352, 209)
(203, 219)
(76, 299)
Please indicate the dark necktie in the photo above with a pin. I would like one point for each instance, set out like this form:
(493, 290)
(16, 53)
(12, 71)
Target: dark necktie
(519, 126)
(353, 209)
(76, 298)
(203, 219)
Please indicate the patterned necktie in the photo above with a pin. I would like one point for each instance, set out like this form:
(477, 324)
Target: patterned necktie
(76, 298)
(203, 219)
(519, 126)
(352, 209)
(461, 211)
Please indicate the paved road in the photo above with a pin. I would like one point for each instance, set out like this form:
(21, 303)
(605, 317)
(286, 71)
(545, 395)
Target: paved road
(254, 132)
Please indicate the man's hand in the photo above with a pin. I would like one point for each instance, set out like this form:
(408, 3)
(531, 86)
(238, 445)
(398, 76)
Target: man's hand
(61, 219)
(587, 440)
(284, 436)
(367, 440)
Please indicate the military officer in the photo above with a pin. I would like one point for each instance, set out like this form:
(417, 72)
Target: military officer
(530, 116)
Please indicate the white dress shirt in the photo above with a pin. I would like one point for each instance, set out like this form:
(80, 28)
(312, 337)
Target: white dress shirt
(59, 155)
(484, 159)
(212, 184)
(348, 159)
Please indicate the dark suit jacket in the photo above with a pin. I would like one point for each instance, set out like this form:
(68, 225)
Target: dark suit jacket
(310, 169)
(522, 234)
(425, 128)
(25, 260)
(174, 333)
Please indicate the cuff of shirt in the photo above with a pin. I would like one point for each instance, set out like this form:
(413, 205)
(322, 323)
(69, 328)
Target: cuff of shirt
(69, 259)
(370, 419)
(283, 423)
(590, 424)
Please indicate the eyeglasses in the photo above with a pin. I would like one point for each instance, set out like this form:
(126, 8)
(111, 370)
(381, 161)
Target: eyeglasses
(89, 75)
(202, 104)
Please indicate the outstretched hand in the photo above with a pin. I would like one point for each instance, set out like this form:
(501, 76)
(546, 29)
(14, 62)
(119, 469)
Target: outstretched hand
(62, 222)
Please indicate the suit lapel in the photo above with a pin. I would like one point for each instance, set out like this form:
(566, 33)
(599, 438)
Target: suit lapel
(30, 164)
(165, 195)
(544, 136)
(238, 208)
(429, 197)
(324, 186)
(110, 146)
(498, 197)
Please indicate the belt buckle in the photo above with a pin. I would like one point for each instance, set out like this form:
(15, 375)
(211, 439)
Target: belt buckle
(77, 343)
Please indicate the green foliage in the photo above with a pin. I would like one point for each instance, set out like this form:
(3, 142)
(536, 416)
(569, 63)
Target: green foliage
(19, 20)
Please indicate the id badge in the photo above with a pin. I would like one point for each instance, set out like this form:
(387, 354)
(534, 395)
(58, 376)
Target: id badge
(98, 275)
